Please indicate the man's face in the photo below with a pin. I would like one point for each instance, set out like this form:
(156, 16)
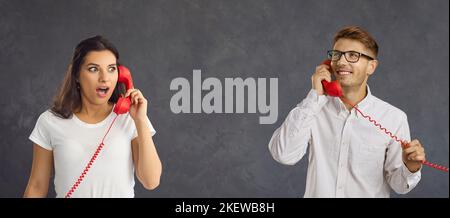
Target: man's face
(352, 74)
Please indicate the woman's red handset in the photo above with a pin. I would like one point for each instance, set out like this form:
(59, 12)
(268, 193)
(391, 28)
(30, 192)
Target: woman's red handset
(123, 104)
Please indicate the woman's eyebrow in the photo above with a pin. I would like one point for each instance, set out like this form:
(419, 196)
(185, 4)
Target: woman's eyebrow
(111, 65)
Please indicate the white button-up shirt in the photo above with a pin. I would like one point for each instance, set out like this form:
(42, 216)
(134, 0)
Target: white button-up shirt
(348, 155)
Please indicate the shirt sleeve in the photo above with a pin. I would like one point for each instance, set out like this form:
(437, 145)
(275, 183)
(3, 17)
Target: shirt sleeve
(152, 130)
(289, 142)
(40, 134)
(398, 176)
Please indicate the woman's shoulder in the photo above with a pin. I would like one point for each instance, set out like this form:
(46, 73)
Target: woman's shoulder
(49, 116)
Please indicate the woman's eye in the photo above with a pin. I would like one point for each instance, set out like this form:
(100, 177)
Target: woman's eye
(92, 69)
(112, 69)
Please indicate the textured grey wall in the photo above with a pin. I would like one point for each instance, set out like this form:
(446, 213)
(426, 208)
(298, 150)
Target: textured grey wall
(223, 155)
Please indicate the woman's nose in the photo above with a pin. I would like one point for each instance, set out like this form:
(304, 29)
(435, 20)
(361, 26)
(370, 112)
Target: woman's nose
(103, 76)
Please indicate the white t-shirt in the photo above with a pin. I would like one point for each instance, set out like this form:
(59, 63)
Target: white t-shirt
(73, 143)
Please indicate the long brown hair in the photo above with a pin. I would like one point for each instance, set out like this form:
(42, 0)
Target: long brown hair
(68, 98)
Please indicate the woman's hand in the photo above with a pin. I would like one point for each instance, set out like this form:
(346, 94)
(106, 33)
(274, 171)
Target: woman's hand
(146, 160)
(138, 109)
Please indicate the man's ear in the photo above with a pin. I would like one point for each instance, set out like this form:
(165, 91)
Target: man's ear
(372, 66)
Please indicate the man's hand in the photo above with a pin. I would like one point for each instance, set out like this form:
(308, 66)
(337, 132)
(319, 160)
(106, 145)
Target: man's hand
(322, 73)
(413, 155)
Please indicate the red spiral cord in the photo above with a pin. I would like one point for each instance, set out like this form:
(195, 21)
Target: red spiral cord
(88, 166)
(390, 134)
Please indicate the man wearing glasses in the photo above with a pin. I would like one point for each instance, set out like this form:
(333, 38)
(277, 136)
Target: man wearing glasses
(348, 156)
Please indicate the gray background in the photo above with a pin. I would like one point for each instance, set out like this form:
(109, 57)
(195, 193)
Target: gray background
(223, 155)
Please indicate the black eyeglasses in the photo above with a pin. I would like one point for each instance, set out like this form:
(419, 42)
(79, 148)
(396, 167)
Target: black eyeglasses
(350, 56)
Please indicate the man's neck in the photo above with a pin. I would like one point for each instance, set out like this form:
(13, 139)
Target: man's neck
(354, 95)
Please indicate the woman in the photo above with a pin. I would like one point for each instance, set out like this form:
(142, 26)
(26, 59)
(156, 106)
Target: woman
(66, 136)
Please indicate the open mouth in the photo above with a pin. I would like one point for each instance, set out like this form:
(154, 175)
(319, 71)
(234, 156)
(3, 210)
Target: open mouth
(102, 91)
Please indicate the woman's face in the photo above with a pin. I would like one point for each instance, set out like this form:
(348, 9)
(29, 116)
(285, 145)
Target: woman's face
(98, 77)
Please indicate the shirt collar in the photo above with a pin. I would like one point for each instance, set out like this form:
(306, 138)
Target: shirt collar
(363, 104)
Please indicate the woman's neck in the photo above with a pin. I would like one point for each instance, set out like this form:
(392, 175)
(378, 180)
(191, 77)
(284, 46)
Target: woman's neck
(90, 113)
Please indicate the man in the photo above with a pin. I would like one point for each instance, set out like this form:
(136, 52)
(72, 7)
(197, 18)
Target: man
(348, 155)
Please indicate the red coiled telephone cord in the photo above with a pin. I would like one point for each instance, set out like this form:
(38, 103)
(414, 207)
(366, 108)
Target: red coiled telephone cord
(88, 166)
(390, 134)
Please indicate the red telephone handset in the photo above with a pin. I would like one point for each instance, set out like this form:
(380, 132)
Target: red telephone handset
(331, 88)
(123, 104)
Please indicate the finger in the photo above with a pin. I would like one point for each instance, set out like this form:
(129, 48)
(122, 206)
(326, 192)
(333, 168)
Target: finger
(328, 76)
(323, 72)
(404, 144)
(129, 95)
(410, 150)
(137, 93)
(412, 156)
(416, 157)
(136, 99)
(322, 68)
(134, 93)
(133, 96)
(129, 91)
(415, 142)
(324, 75)
(419, 158)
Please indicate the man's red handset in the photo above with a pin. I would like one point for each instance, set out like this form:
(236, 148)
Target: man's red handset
(122, 106)
(331, 88)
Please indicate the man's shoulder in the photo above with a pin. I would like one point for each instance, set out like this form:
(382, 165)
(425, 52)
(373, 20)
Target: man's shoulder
(389, 109)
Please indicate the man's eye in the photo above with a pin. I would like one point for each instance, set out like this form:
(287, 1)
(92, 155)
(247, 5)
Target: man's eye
(353, 55)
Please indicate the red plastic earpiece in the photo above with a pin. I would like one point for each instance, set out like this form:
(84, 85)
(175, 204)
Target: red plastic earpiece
(331, 88)
(123, 104)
